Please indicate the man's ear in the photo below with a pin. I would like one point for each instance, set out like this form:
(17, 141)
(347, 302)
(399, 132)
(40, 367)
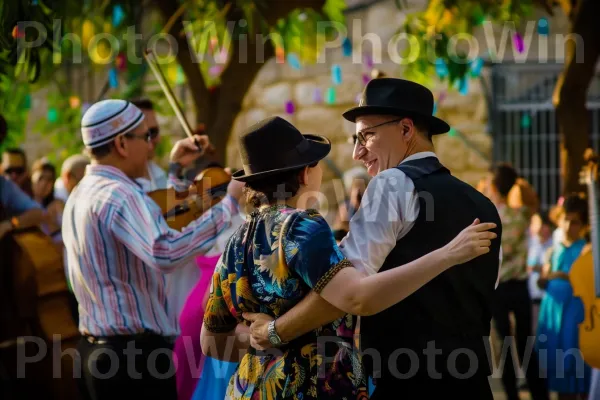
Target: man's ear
(121, 146)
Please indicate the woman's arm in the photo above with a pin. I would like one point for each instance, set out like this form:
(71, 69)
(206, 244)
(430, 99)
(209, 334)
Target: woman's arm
(350, 291)
(228, 346)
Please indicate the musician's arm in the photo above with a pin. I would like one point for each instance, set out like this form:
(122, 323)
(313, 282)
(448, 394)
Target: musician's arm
(146, 233)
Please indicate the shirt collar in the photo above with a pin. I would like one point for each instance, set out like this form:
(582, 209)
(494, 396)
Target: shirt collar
(419, 155)
(110, 172)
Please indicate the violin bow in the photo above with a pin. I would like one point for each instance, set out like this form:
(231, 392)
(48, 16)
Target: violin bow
(162, 81)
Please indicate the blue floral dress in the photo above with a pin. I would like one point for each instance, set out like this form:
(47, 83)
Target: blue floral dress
(275, 259)
(558, 327)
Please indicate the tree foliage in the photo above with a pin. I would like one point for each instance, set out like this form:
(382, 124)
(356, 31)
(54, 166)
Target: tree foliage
(213, 30)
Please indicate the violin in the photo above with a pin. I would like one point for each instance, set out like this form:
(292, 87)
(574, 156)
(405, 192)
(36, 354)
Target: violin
(210, 185)
(585, 272)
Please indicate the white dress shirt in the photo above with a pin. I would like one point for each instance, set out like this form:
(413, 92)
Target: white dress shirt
(388, 211)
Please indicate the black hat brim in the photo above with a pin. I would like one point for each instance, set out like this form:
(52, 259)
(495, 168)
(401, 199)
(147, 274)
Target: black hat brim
(319, 148)
(435, 125)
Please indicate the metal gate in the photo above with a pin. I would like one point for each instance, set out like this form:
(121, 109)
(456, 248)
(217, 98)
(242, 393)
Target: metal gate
(524, 126)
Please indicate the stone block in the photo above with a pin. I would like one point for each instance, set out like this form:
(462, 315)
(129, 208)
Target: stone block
(304, 93)
(268, 74)
(274, 97)
(320, 120)
(451, 152)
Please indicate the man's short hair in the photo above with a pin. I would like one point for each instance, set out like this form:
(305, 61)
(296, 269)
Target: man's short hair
(74, 162)
(143, 104)
(504, 178)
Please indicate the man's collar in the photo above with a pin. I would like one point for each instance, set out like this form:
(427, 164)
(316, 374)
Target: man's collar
(419, 155)
(111, 172)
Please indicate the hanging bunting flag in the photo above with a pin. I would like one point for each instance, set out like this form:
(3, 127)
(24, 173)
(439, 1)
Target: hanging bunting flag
(336, 74)
(368, 61)
(441, 69)
(121, 62)
(525, 121)
(113, 79)
(290, 108)
(442, 96)
(318, 96)
(74, 101)
(543, 26)
(27, 102)
(434, 108)
(347, 48)
(518, 42)
(476, 66)
(87, 31)
(452, 132)
(293, 60)
(85, 107)
(118, 15)
(180, 78)
(34, 2)
(215, 70)
(52, 115)
(330, 96)
(463, 86)
(280, 55)
(366, 78)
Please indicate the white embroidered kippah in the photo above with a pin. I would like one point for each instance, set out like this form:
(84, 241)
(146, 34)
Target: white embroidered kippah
(107, 119)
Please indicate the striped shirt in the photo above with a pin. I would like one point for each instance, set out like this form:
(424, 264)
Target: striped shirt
(119, 248)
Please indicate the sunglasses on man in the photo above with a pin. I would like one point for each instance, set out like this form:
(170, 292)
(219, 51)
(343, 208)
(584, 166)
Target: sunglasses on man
(14, 171)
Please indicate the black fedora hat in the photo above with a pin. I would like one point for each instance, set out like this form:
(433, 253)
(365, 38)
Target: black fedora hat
(399, 97)
(274, 145)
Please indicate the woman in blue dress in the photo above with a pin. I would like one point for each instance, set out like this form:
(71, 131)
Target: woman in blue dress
(560, 311)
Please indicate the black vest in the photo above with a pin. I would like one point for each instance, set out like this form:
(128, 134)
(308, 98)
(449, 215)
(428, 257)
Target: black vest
(454, 309)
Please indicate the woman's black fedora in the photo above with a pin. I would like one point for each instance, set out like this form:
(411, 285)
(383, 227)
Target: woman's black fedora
(399, 97)
(274, 145)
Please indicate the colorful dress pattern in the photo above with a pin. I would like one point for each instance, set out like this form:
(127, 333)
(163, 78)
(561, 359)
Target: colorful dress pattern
(275, 259)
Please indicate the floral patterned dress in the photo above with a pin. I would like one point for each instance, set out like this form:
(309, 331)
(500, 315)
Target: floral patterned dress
(275, 259)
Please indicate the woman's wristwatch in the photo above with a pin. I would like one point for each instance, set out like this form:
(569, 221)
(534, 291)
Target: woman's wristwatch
(273, 336)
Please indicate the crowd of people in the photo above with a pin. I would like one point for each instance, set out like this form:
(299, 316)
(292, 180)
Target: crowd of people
(241, 299)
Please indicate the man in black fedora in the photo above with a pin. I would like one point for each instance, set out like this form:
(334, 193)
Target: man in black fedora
(433, 342)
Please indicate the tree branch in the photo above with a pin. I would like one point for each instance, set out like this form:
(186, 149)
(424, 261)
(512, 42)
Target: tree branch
(186, 58)
(570, 94)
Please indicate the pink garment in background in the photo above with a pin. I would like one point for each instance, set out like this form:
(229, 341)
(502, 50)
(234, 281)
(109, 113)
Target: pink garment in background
(190, 322)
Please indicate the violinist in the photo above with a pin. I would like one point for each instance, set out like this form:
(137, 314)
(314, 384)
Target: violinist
(119, 249)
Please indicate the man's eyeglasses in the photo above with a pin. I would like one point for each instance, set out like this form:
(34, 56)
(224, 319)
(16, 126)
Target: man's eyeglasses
(360, 136)
(14, 170)
(154, 132)
(145, 136)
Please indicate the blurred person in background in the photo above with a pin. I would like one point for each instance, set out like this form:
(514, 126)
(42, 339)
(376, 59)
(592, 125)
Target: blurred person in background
(156, 178)
(512, 294)
(71, 172)
(561, 311)
(355, 184)
(43, 176)
(14, 168)
(540, 242)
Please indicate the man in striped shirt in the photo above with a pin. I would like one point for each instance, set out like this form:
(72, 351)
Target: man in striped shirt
(119, 249)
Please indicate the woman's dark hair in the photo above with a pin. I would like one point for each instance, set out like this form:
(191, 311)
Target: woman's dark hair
(576, 203)
(504, 178)
(545, 219)
(44, 166)
(274, 188)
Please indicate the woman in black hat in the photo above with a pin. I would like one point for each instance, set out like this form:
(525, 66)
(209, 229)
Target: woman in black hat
(282, 253)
